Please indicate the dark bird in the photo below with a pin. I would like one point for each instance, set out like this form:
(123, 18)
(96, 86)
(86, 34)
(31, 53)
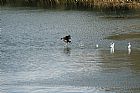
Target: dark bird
(66, 39)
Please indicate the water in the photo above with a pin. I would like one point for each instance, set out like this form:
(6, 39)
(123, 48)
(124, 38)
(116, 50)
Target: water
(34, 59)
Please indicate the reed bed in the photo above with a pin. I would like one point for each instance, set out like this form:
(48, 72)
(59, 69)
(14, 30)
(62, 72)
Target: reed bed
(75, 4)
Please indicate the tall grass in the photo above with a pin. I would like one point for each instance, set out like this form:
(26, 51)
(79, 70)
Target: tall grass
(75, 4)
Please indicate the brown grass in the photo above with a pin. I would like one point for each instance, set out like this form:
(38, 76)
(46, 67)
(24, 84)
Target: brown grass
(72, 4)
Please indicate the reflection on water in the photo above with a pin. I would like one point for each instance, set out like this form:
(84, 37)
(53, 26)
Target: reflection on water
(67, 50)
(129, 51)
(34, 59)
(112, 50)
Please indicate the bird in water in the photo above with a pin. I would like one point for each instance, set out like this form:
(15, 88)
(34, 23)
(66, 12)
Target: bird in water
(66, 39)
(97, 45)
(112, 45)
(129, 48)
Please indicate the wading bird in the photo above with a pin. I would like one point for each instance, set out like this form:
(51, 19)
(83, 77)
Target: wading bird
(112, 45)
(66, 39)
(129, 46)
(97, 45)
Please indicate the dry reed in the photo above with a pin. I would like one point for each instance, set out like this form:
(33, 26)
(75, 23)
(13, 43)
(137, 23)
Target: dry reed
(75, 4)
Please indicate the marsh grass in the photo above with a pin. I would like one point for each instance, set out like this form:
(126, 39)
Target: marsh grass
(76, 4)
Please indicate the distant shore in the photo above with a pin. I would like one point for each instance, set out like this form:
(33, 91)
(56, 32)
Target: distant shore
(75, 4)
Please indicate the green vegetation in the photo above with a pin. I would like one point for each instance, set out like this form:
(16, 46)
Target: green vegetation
(75, 4)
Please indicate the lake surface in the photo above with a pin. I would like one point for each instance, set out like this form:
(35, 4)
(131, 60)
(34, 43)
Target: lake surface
(34, 59)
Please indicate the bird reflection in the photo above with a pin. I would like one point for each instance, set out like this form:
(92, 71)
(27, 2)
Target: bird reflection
(67, 51)
(129, 51)
(111, 50)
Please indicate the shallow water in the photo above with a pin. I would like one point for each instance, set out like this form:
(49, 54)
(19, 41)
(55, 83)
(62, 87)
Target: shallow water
(34, 59)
